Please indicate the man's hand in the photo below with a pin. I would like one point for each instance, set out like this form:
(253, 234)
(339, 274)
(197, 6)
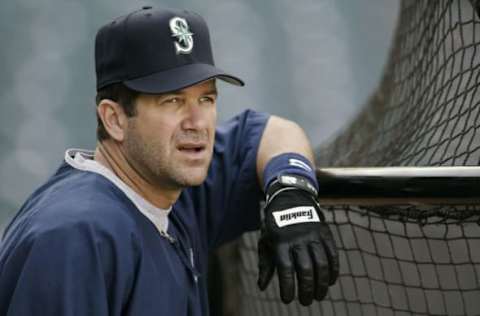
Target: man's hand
(296, 241)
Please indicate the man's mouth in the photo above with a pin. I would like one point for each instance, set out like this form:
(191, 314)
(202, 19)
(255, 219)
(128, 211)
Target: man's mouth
(192, 148)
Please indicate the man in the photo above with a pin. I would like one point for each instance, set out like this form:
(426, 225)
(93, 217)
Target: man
(125, 229)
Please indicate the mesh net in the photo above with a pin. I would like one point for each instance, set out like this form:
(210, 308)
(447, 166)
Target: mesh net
(405, 259)
(426, 110)
(388, 267)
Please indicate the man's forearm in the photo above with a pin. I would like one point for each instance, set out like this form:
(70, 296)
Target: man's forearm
(295, 240)
(281, 136)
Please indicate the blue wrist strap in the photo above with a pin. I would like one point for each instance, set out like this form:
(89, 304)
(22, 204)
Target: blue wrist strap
(289, 163)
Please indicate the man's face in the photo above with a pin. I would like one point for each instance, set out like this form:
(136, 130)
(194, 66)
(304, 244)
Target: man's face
(170, 140)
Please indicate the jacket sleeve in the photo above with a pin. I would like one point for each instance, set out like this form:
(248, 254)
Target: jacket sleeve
(69, 270)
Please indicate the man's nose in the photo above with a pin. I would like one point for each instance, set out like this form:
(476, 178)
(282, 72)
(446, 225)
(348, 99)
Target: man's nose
(195, 116)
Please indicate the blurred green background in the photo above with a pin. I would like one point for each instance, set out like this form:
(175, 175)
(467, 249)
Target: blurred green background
(313, 61)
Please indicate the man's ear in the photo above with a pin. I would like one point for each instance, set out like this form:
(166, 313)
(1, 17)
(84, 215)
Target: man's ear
(114, 119)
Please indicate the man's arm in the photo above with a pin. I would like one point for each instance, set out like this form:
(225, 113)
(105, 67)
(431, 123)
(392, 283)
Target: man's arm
(67, 270)
(281, 136)
(295, 241)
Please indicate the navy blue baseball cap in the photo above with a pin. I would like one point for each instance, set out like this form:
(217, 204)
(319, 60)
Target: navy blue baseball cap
(156, 51)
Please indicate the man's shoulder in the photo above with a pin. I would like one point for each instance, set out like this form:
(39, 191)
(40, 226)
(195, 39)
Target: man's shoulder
(245, 118)
(83, 192)
(77, 199)
(72, 220)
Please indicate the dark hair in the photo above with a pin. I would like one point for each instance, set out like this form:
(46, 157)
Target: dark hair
(121, 94)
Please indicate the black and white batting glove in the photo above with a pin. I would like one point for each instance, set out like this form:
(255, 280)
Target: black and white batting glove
(296, 242)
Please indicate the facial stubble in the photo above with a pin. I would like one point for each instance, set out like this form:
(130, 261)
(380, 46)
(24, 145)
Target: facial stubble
(152, 159)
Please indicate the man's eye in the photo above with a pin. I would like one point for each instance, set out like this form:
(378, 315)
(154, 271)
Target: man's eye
(207, 100)
(172, 100)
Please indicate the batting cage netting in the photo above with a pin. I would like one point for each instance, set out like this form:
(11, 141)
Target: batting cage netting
(405, 259)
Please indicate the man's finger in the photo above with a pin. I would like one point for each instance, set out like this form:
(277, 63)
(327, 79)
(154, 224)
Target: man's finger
(321, 269)
(305, 274)
(332, 254)
(266, 266)
(285, 271)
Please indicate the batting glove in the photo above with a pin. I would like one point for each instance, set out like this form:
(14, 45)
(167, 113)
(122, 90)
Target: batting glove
(296, 242)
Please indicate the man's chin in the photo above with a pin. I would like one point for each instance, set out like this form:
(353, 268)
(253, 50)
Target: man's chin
(194, 181)
(194, 177)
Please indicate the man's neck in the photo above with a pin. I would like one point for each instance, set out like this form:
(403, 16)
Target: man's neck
(110, 155)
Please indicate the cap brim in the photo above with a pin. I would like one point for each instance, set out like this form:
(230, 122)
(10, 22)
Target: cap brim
(179, 78)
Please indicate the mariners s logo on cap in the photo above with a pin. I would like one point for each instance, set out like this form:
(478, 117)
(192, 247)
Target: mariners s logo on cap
(184, 38)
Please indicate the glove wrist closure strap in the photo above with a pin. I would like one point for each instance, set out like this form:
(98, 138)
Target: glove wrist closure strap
(285, 182)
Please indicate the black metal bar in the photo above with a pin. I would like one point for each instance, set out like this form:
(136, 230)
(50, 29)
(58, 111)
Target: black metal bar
(399, 185)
